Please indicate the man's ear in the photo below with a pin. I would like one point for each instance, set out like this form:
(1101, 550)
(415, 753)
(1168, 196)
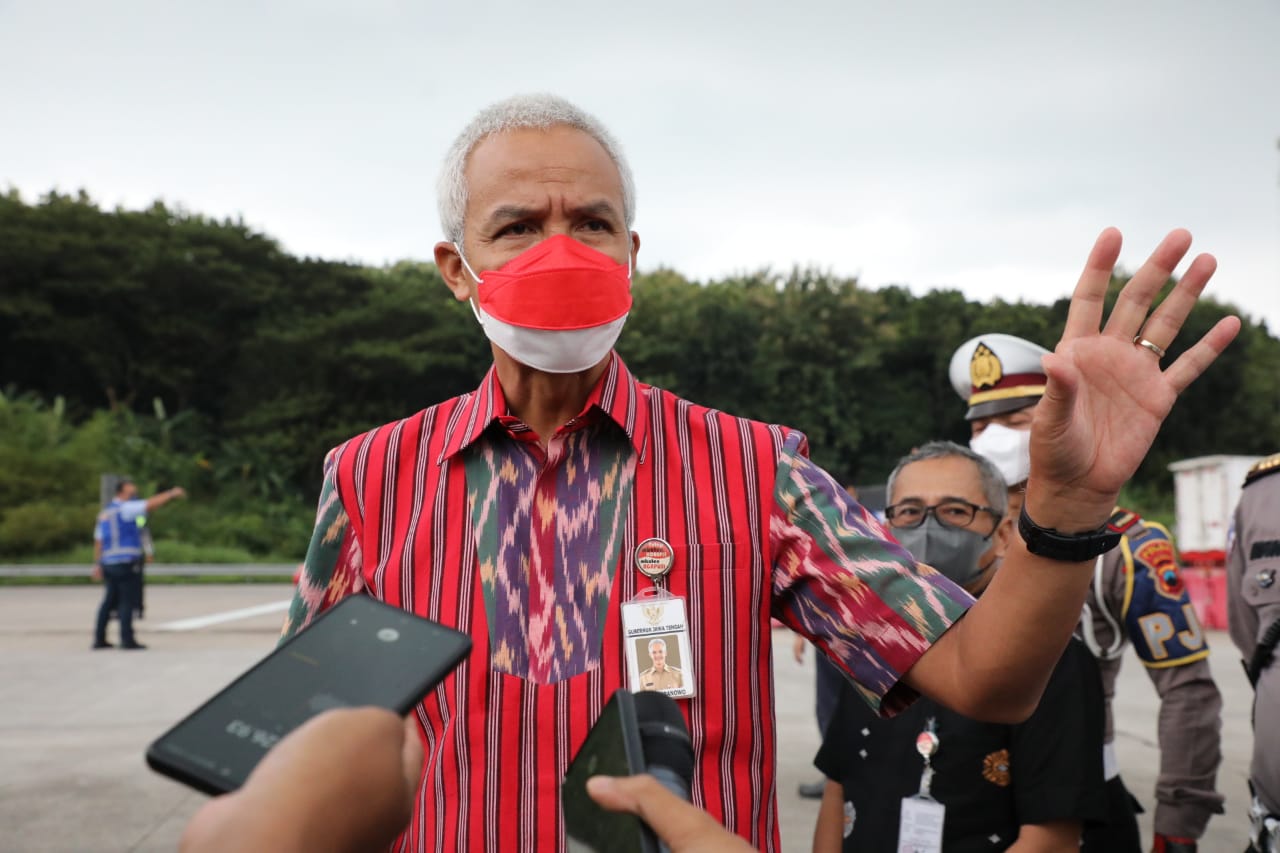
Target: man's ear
(635, 248)
(449, 262)
(1003, 535)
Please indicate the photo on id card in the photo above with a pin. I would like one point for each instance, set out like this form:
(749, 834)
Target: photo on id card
(656, 635)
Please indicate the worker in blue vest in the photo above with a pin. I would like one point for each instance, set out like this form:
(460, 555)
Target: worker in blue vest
(118, 556)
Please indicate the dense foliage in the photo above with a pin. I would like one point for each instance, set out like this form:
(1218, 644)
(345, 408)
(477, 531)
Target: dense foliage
(187, 350)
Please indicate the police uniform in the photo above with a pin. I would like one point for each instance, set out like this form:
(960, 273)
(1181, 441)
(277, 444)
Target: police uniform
(668, 679)
(1253, 610)
(1137, 597)
(992, 778)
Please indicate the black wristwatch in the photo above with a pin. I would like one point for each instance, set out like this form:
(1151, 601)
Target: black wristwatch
(1067, 547)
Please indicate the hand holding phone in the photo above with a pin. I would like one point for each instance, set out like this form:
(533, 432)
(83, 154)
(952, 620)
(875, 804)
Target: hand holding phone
(636, 733)
(299, 796)
(679, 824)
(360, 652)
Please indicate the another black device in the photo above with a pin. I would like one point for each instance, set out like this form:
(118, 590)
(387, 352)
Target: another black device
(360, 652)
(636, 733)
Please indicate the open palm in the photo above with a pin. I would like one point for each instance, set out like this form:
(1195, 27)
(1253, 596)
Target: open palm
(1107, 394)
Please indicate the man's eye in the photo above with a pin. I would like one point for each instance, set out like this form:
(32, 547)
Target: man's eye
(597, 225)
(516, 229)
(954, 513)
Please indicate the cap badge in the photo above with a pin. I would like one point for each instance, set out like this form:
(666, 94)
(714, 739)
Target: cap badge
(984, 368)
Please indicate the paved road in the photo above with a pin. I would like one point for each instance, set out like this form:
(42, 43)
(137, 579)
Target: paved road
(74, 723)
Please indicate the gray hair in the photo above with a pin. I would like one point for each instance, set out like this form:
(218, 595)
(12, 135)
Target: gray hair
(657, 641)
(521, 111)
(993, 484)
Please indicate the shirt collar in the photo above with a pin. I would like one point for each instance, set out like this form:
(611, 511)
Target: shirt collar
(618, 394)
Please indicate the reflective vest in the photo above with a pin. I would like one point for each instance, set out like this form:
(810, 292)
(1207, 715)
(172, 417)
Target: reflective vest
(121, 539)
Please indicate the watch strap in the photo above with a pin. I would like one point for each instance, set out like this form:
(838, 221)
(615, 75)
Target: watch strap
(1066, 547)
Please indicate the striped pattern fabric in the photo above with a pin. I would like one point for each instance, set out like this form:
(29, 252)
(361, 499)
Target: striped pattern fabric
(457, 514)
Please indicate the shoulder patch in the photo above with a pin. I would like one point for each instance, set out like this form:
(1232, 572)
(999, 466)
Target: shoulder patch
(1262, 468)
(1161, 561)
(1122, 519)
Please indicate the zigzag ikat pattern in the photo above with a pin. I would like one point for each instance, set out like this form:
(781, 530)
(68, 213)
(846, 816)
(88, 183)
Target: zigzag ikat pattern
(546, 622)
(845, 582)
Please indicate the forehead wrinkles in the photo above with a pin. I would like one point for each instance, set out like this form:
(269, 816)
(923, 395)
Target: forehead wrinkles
(532, 187)
(556, 156)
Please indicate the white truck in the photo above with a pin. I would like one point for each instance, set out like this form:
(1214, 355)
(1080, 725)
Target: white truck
(1206, 489)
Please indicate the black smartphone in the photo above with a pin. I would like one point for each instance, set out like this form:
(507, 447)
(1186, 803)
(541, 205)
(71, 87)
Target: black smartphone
(612, 748)
(359, 652)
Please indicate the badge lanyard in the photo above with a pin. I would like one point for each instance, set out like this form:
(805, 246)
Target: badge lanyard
(920, 827)
(655, 628)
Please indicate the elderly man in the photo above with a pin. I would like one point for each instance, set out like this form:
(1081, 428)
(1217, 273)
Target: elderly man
(1137, 597)
(1028, 786)
(553, 510)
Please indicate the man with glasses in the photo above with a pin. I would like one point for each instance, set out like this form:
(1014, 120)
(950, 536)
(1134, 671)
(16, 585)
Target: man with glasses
(1035, 783)
(1137, 596)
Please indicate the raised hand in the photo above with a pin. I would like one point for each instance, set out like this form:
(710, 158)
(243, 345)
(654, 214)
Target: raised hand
(1107, 393)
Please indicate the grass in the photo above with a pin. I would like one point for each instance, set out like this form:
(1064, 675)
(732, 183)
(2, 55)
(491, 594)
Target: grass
(166, 580)
(167, 551)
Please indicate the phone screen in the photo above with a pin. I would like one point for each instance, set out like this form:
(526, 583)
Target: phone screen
(360, 652)
(612, 748)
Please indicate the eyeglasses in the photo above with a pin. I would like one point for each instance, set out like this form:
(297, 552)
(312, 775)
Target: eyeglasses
(949, 513)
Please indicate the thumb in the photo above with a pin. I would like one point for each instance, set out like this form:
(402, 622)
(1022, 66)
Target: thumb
(1061, 385)
(683, 826)
(412, 757)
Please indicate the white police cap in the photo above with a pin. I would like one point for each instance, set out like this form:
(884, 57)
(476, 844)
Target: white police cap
(997, 373)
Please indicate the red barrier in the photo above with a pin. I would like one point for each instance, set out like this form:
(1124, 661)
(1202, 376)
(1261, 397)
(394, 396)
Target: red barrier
(1207, 588)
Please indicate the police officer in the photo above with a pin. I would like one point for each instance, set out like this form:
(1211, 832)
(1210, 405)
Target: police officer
(660, 676)
(118, 556)
(1253, 612)
(1137, 597)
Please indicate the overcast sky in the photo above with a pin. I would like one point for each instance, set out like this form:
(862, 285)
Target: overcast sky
(932, 144)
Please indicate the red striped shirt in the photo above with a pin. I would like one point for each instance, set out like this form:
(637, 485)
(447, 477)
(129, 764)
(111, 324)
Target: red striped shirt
(757, 530)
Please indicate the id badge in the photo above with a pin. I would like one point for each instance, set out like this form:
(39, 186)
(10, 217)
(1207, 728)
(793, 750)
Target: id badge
(920, 828)
(655, 632)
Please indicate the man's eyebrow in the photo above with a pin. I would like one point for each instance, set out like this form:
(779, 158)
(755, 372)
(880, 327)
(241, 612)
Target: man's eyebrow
(509, 213)
(506, 213)
(603, 207)
(942, 500)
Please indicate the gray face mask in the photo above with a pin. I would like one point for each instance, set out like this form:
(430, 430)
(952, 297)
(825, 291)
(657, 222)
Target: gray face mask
(953, 551)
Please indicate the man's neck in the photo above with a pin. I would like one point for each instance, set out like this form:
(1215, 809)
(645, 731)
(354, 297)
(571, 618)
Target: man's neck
(544, 401)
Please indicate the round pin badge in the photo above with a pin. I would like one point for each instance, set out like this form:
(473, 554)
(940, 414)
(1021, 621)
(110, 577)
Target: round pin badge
(926, 744)
(655, 557)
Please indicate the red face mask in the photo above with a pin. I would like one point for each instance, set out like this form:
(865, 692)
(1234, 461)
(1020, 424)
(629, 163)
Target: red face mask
(559, 284)
(557, 307)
